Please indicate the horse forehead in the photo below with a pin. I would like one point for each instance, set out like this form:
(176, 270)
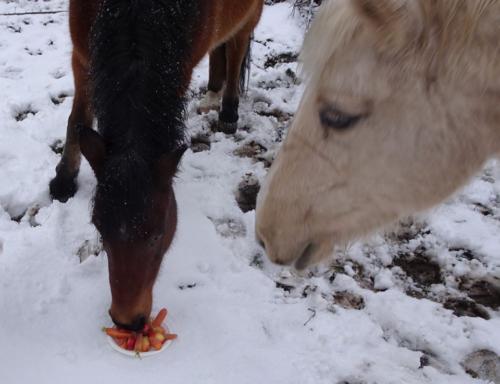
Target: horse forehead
(361, 67)
(355, 83)
(117, 224)
(343, 58)
(127, 233)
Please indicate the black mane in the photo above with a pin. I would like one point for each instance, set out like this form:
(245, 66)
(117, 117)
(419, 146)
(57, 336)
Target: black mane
(138, 53)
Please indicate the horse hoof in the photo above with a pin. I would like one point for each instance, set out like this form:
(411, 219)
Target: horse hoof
(63, 187)
(227, 128)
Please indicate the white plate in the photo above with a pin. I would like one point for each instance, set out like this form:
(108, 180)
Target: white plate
(139, 354)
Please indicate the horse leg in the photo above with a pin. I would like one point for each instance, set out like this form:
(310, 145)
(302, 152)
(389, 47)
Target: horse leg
(63, 186)
(236, 49)
(216, 78)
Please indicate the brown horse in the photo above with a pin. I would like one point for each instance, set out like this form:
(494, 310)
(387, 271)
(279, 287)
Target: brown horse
(132, 63)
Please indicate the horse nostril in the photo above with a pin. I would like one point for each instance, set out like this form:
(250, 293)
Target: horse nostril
(139, 323)
(305, 258)
(260, 242)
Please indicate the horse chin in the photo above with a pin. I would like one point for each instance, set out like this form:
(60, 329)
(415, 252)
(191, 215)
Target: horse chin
(313, 254)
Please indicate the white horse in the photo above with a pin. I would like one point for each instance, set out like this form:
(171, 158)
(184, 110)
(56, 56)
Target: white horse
(402, 106)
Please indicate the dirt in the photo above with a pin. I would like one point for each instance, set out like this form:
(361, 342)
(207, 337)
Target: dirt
(28, 215)
(251, 149)
(349, 300)
(246, 195)
(465, 307)
(464, 253)
(484, 365)
(59, 99)
(483, 209)
(276, 113)
(255, 151)
(286, 287)
(87, 249)
(408, 230)
(292, 75)
(257, 261)
(230, 228)
(57, 147)
(200, 142)
(482, 292)
(282, 58)
(360, 276)
(423, 271)
(187, 286)
(23, 115)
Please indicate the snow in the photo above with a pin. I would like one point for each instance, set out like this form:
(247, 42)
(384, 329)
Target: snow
(235, 324)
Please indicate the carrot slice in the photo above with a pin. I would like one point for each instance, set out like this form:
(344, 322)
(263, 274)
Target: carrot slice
(159, 336)
(170, 336)
(146, 345)
(160, 317)
(130, 343)
(159, 330)
(119, 333)
(122, 343)
(138, 343)
(156, 344)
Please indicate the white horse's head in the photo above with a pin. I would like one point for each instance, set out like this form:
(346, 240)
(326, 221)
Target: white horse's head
(402, 106)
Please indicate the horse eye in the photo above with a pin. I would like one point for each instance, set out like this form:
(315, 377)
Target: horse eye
(333, 118)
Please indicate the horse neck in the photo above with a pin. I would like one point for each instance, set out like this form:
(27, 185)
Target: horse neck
(139, 80)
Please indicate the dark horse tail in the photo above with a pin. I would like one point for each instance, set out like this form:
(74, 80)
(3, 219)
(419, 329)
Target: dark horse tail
(138, 53)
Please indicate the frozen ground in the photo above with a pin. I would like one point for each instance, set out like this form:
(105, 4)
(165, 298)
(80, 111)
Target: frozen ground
(405, 307)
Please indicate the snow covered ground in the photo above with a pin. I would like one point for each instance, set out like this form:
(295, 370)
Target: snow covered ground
(405, 307)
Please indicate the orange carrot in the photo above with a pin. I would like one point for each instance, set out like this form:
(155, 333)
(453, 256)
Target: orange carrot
(138, 343)
(149, 333)
(170, 336)
(119, 333)
(130, 343)
(159, 330)
(159, 336)
(146, 345)
(122, 343)
(160, 317)
(155, 343)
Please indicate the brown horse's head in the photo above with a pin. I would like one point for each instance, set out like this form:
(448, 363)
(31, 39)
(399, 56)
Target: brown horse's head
(136, 214)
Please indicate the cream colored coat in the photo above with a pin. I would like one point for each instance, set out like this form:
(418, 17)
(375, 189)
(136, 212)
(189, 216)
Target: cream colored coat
(417, 82)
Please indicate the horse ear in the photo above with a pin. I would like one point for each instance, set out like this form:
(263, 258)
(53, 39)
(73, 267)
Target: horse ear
(398, 22)
(167, 164)
(93, 148)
